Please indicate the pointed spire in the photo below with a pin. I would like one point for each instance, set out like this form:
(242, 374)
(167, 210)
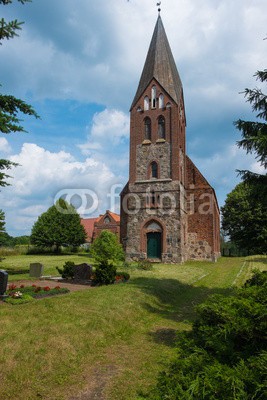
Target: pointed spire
(160, 65)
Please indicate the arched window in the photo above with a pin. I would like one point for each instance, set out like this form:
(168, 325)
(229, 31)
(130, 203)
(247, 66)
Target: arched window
(161, 127)
(154, 170)
(153, 96)
(147, 128)
(161, 101)
(146, 103)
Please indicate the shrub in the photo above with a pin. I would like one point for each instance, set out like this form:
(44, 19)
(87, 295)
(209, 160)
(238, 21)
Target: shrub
(224, 357)
(68, 270)
(105, 274)
(106, 248)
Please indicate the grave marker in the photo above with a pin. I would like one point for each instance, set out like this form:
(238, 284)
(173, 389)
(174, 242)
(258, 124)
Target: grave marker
(3, 283)
(83, 272)
(36, 270)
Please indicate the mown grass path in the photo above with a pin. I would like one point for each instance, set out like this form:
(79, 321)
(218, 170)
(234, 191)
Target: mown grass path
(109, 342)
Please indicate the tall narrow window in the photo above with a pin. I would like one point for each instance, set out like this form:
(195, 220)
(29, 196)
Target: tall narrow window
(154, 170)
(161, 127)
(161, 101)
(146, 103)
(147, 128)
(153, 96)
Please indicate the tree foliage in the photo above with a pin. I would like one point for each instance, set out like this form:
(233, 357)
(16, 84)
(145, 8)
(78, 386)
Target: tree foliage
(10, 107)
(59, 225)
(254, 133)
(224, 357)
(244, 218)
(106, 250)
(106, 247)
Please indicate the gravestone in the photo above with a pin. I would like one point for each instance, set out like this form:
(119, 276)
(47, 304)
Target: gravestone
(3, 283)
(83, 272)
(36, 270)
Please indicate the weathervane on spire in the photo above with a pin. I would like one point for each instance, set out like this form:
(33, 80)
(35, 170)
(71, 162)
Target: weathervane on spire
(158, 4)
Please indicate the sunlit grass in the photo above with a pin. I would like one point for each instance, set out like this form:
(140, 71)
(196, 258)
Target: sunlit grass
(113, 337)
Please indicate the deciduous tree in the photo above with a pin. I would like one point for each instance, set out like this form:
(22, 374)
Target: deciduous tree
(59, 225)
(244, 218)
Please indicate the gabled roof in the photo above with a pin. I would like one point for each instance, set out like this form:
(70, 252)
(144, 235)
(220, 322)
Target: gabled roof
(114, 217)
(160, 65)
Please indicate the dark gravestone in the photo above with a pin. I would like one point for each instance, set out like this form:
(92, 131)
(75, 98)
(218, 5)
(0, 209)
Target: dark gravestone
(83, 272)
(3, 282)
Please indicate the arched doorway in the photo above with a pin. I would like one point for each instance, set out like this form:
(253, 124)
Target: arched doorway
(154, 240)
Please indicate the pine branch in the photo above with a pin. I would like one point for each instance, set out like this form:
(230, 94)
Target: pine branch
(10, 107)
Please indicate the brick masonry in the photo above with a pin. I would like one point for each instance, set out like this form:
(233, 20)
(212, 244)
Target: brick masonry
(166, 193)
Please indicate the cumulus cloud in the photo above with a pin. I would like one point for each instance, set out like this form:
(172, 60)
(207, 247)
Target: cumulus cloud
(4, 146)
(41, 174)
(109, 127)
(108, 139)
(94, 53)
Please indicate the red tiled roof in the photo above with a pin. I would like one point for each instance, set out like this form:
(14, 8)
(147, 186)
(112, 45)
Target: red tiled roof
(116, 217)
(88, 224)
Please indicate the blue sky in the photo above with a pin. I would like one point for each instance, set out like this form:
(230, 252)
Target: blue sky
(79, 64)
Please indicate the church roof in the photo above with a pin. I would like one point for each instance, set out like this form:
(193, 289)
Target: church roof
(160, 65)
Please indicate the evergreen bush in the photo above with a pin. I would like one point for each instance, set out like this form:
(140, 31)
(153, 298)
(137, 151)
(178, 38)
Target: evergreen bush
(224, 357)
(105, 274)
(68, 270)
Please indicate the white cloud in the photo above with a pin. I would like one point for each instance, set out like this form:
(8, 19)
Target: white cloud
(4, 146)
(41, 175)
(94, 53)
(109, 128)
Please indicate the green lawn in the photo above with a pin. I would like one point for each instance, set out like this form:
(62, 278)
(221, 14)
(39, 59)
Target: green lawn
(50, 263)
(109, 342)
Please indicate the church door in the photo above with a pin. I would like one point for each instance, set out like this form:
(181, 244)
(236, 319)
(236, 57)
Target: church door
(154, 245)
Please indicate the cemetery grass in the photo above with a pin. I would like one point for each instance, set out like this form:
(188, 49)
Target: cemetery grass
(108, 342)
(17, 266)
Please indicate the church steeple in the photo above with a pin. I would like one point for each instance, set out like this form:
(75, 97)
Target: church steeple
(160, 65)
(155, 220)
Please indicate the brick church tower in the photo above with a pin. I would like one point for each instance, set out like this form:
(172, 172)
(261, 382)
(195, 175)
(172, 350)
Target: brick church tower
(169, 212)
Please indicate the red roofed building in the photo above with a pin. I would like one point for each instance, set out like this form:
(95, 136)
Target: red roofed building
(93, 226)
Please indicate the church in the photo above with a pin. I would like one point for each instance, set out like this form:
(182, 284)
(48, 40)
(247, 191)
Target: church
(169, 211)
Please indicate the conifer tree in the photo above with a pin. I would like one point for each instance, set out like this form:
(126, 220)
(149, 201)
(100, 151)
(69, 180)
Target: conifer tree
(10, 106)
(254, 133)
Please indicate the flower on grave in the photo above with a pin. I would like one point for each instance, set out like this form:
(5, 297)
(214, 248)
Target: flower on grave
(37, 289)
(46, 288)
(17, 295)
(12, 286)
(22, 286)
(57, 287)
